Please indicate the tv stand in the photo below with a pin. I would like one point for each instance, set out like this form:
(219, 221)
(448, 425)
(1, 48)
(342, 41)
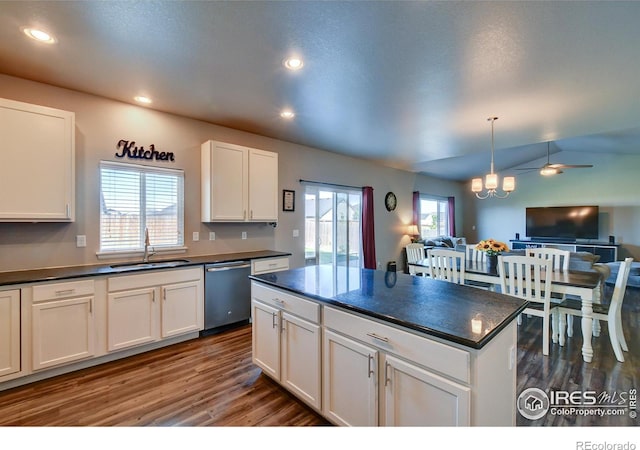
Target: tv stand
(607, 252)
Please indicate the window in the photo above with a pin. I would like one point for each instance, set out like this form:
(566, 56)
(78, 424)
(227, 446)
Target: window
(332, 226)
(134, 198)
(434, 217)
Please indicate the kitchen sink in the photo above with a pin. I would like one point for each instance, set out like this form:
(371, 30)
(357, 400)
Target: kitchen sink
(160, 263)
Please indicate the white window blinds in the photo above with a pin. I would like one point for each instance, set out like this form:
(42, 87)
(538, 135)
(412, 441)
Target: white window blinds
(134, 197)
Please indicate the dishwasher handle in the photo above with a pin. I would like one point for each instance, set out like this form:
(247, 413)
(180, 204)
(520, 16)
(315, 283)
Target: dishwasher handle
(228, 266)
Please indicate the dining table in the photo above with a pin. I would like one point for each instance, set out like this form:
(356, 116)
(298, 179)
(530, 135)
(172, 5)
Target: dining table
(583, 284)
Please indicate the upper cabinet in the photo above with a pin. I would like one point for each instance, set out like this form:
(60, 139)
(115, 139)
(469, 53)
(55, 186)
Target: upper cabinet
(239, 184)
(37, 174)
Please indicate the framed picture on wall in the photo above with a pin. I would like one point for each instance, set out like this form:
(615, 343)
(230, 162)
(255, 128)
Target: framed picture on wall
(288, 200)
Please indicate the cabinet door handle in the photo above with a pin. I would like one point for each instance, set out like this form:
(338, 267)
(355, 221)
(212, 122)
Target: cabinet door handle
(282, 322)
(380, 338)
(68, 211)
(252, 213)
(273, 320)
(65, 292)
(386, 373)
(91, 306)
(244, 214)
(369, 369)
(164, 294)
(153, 295)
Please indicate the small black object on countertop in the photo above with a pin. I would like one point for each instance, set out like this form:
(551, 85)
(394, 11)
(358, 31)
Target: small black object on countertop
(460, 314)
(61, 273)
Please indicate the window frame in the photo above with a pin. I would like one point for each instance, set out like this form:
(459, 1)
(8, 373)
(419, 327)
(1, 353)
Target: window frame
(438, 199)
(179, 247)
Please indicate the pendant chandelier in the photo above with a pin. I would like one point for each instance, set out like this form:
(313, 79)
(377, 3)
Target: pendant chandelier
(491, 180)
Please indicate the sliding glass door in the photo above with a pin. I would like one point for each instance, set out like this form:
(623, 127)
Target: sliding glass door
(332, 226)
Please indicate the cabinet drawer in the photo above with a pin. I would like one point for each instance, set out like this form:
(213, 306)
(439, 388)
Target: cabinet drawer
(62, 290)
(155, 278)
(282, 300)
(433, 355)
(259, 266)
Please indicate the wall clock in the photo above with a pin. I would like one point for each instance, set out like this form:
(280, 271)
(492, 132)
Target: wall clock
(390, 201)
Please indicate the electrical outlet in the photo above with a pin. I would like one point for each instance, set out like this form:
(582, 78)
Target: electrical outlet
(212, 235)
(196, 236)
(244, 235)
(296, 233)
(81, 240)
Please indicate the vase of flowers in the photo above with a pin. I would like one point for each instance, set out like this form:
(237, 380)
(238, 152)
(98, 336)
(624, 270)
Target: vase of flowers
(492, 248)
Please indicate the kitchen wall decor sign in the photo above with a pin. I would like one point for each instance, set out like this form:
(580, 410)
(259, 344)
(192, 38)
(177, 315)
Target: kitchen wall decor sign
(128, 149)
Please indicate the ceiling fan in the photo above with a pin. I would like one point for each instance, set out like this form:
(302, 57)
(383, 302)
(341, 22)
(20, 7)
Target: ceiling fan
(553, 169)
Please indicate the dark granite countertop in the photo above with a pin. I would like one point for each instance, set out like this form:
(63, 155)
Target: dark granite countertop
(434, 307)
(61, 273)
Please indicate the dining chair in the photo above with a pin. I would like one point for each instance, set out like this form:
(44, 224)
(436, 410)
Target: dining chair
(446, 264)
(529, 278)
(610, 312)
(559, 258)
(560, 263)
(415, 252)
(477, 257)
(474, 254)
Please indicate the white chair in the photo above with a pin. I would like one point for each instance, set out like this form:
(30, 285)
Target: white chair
(447, 265)
(559, 258)
(560, 263)
(610, 312)
(415, 252)
(529, 278)
(475, 255)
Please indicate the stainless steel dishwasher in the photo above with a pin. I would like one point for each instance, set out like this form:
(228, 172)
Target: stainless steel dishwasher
(227, 295)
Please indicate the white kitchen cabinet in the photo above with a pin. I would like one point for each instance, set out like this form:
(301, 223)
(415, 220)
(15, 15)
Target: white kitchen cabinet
(182, 308)
(132, 317)
(238, 184)
(350, 381)
(363, 386)
(286, 341)
(62, 323)
(148, 307)
(419, 380)
(38, 163)
(267, 265)
(414, 396)
(9, 332)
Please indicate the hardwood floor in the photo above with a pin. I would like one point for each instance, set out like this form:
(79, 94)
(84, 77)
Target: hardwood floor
(211, 382)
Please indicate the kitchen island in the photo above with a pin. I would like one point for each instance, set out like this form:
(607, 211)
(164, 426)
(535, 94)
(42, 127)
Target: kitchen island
(365, 347)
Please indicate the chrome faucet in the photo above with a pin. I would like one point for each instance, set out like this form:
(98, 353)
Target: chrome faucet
(147, 254)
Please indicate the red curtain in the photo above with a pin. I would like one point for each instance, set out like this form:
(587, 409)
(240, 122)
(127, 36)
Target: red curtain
(416, 209)
(368, 234)
(452, 215)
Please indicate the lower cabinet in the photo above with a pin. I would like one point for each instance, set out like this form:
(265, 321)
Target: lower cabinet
(364, 372)
(286, 341)
(364, 386)
(145, 308)
(62, 323)
(9, 332)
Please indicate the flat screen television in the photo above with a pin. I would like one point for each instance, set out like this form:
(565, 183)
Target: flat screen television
(562, 222)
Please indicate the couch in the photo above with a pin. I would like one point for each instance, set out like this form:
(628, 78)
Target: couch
(444, 241)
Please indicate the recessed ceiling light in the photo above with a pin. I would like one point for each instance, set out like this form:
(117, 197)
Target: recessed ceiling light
(293, 63)
(287, 114)
(39, 35)
(142, 99)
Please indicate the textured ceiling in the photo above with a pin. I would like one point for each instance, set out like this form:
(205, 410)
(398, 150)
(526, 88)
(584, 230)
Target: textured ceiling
(409, 84)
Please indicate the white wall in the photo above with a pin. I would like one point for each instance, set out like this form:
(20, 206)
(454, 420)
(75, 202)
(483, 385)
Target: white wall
(613, 184)
(101, 123)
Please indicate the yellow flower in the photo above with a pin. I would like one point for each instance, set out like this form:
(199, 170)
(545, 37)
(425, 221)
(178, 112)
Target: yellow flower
(492, 247)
